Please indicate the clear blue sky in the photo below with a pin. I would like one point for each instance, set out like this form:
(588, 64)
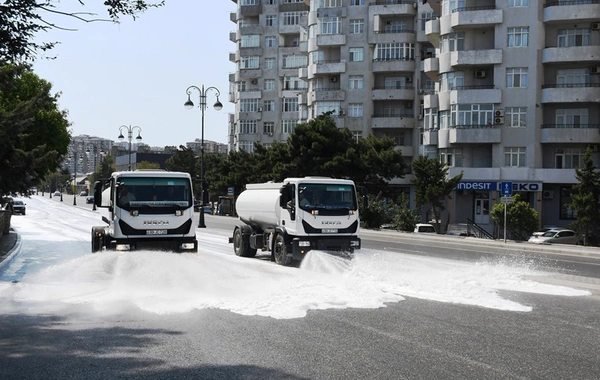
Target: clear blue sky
(136, 73)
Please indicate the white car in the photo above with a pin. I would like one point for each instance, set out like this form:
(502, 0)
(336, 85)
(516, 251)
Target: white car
(555, 236)
(424, 228)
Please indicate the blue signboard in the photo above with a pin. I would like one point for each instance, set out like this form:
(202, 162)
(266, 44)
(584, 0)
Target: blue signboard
(506, 188)
(477, 185)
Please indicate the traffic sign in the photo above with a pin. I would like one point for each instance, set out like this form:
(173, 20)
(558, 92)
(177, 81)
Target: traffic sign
(506, 188)
(506, 200)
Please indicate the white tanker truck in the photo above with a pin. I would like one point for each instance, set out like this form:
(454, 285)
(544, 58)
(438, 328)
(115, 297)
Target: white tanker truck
(295, 216)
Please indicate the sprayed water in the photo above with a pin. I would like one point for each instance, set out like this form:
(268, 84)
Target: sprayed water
(166, 283)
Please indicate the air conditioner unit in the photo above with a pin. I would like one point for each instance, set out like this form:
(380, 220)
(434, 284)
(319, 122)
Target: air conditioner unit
(480, 74)
(254, 81)
(548, 194)
(595, 70)
(595, 26)
(499, 113)
(333, 79)
(408, 79)
(259, 109)
(499, 120)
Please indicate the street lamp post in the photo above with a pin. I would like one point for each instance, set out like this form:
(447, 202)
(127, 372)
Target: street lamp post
(94, 150)
(130, 130)
(74, 174)
(202, 104)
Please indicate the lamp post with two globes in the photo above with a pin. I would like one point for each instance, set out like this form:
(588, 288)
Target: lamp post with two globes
(217, 106)
(129, 130)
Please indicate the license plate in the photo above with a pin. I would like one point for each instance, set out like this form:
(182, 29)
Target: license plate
(330, 230)
(156, 232)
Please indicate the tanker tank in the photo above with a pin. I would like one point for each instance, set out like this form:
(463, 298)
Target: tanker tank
(258, 205)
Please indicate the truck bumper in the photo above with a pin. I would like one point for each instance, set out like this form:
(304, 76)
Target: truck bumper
(302, 245)
(184, 244)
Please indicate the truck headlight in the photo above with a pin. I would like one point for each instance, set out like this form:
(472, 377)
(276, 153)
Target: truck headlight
(187, 245)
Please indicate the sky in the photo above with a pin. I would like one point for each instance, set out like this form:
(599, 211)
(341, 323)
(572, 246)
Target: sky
(136, 73)
(54, 272)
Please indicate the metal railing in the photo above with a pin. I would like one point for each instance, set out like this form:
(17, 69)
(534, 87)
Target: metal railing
(473, 229)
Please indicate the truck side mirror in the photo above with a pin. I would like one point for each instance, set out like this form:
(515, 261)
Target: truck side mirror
(285, 195)
(98, 193)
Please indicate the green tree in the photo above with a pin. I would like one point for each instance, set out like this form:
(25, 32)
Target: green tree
(405, 219)
(22, 20)
(34, 134)
(145, 165)
(432, 185)
(521, 218)
(585, 201)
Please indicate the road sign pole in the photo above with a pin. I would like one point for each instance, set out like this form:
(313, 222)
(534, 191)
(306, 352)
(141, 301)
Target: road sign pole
(505, 222)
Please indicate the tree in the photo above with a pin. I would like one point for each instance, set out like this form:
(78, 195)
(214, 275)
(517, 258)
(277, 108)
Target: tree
(521, 218)
(104, 169)
(585, 201)
(432, 187)
(22, 20)
(33, 132)
(145, 165)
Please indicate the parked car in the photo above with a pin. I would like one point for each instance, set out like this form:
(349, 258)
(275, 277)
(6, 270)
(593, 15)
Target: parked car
(57, 193)
(542, 231)
(18, 207)
(208, 209)
(83, 193)
(424, 228)
(89, 200)
(555, 236)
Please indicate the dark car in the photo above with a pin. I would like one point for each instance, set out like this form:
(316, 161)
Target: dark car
(18, 207)
(89, 200)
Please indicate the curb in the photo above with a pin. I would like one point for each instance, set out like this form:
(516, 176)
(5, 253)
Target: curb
(12, 253)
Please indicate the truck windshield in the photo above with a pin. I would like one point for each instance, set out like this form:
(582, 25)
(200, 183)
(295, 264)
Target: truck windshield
(327, 197)
(139, 192)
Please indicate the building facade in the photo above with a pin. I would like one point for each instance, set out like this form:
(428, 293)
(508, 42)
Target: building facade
(503, 91)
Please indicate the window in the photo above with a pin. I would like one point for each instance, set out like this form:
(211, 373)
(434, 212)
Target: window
(451, 157)
(270, 41)
(356, 54)
(396, 26)
(293, 83)
(290, 105)
(572, 118)
(573, 37)
(518, 3)
(323, 107)
(270, 84)
(394, 51)
(452, 80)
(330, 3)
(330, 25)
(518, 37)
(356, 82)
(247, 126)
(569, 77)
(516, 77)
(249, 63)
(357, 2)
(269, 106)
(317, 57)
(248, 2)
(270, 63)
(247, 146)
(357, 26)
(355, 110)
(452, 42)
(514, 156)
(248, 105)
(515, 116)
(565, 200)
(430, 119)
(270, 20)
(569, 158)
(249, 40)
(449, 6)
(426, 16)
(291, 18)
(271, 2)
(268, 127)
(292, 61)
(287, 126)
(472, 115)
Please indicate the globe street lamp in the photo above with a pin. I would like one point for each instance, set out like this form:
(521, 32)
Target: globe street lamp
(129, 130)
(189, 105)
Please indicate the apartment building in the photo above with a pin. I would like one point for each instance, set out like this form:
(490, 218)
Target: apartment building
(504, 91)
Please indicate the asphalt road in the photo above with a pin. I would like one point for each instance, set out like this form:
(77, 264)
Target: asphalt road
(412, 339)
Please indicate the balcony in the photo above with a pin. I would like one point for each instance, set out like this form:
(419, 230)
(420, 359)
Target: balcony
(249, 10)
(486, 57)
(474, 134)
(396, 64)
(571, 93)
(331, 40)
(573, 54)
(400, 120)
(476, 17)
(570, 133)
(474, 94)
(400, 35)
(431, 68)
(572, 11)
(332, 93)
(385, 8)
(430, 137)
(432, 30)
(326, 67)
(556, 175)
(431, 101)
(406, 92)
(406, 150)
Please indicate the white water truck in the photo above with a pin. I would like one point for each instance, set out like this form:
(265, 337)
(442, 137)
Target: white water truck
(148, 209)
(295, 216)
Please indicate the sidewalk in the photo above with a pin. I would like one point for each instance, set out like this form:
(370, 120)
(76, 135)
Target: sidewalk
(10, 244)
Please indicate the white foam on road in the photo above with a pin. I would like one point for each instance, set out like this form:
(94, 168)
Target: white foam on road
(166, 283)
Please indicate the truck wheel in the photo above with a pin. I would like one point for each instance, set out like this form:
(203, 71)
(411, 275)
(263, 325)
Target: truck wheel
(280, 253)
(97, 238)
(241, 245)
